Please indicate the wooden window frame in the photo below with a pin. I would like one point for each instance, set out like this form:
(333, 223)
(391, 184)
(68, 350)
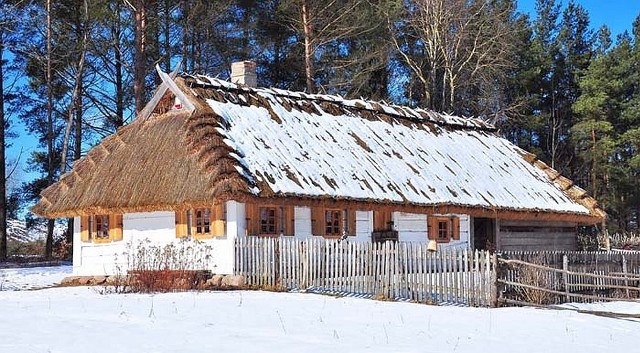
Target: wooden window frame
(451, 228)
(332, 230)
(202, 218)
(273, 228)
(102, 228)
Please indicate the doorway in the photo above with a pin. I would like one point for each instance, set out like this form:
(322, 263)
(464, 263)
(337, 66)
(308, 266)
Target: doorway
(484, 234)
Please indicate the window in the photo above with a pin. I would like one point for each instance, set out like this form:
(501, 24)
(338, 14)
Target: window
(101, 228)
(268, 217)
(443, 229)
(201, 223)
(333, 222)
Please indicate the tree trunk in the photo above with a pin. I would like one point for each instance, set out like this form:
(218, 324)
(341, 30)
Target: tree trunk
(139, 60)
(48, 252)
(308, 48)
(167, 35)
(3, 187)
(117, 33)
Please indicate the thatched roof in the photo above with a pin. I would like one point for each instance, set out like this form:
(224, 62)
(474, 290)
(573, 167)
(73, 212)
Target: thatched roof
(244, 143)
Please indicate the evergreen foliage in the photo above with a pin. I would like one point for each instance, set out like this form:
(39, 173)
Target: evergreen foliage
(550, 83)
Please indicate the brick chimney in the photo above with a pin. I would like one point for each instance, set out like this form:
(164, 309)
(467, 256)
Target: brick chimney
(244, 73)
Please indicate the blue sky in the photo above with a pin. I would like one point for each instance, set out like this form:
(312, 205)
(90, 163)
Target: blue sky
(617, 14)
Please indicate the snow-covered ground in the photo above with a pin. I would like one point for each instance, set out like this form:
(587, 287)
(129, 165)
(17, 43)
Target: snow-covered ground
(32, 278)
(85, 319)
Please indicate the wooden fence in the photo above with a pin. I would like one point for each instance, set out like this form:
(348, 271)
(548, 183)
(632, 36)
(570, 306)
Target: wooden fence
(385, 270)
(398, 270)
(558, 277)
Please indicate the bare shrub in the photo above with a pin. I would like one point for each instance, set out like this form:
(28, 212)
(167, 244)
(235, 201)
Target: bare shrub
(150, 268)
(538, 278)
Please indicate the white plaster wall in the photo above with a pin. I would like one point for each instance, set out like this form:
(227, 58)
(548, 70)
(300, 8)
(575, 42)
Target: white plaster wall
(158, 228)
(364, 226)
(302, 223)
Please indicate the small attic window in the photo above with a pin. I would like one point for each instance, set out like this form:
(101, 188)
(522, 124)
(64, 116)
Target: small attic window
(177, 104)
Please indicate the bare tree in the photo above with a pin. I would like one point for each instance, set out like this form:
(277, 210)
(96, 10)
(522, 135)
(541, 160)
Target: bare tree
(3, 187)
(452, 44)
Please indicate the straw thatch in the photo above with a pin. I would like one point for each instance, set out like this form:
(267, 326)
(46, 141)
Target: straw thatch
(178, 160)
(145, 166)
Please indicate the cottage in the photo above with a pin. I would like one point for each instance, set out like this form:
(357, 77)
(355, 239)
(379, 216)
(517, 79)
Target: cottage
(215, 160)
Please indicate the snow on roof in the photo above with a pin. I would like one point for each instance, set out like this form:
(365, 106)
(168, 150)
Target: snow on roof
(408, 155)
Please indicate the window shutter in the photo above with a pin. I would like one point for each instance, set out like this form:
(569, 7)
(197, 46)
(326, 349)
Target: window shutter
(181, 224)
(381, 219)
(289, 219)
(351, 221)
(253, 218)
(432, 224)
(84, 228)
(455, 231)
(218, 220)
(318, 220)
(115, 227)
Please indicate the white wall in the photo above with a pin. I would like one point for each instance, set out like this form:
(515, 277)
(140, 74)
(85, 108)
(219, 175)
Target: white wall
(92, 259)
(302, 223)
(364, 226)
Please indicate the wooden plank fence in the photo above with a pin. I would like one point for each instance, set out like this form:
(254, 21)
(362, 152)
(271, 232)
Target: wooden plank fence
(554, 277)
(384, 270)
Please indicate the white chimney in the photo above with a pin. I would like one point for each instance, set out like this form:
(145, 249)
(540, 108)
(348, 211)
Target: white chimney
(244, 73)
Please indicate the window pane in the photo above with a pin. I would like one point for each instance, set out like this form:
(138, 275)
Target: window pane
(207, 220)
(198, 221)
(102, 226)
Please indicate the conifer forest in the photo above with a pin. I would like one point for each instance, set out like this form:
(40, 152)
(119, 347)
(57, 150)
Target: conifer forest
(72, 72)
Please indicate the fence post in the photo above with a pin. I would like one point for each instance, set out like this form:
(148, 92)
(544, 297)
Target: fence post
(494, 280)
(565, 276)
(624, 271)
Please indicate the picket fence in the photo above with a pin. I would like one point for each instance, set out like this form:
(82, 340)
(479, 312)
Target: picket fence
(400, 271)
(553, 277)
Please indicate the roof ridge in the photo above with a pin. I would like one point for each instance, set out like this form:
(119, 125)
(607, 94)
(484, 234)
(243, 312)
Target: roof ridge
(416, 115)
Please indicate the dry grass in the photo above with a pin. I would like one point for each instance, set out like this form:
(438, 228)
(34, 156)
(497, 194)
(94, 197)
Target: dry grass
(538, 278)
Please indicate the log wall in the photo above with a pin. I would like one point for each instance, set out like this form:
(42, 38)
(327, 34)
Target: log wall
(536, 236)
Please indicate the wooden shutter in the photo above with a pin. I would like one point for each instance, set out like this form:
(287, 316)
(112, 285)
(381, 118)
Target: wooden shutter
(381, 219)
(84, 228)
(115, 227)
(351, 222)
(218, 220)
(455, 231)
(432, 227)
(181, 224)
(318, 220)
(289, 220)
(253, 218)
